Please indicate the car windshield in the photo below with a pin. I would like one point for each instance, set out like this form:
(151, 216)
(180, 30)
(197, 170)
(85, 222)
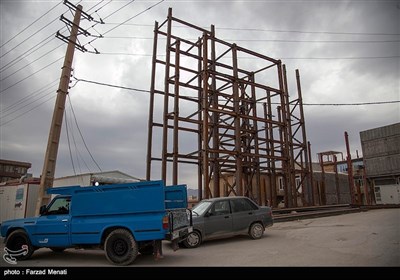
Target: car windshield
(201, 207)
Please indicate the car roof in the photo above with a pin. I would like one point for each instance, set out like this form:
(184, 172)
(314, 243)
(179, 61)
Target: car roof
(223, 198)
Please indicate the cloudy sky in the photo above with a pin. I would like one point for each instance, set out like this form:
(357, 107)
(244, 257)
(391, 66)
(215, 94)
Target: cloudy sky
(347, 52)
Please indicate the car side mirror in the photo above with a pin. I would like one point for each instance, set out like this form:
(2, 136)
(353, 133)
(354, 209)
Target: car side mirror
(42, 209)
(208, 214)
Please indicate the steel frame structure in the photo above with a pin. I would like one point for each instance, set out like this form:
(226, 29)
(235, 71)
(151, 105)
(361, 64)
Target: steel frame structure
(225, 111)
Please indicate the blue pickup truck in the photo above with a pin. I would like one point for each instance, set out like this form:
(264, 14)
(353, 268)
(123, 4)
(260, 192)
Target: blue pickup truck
(122, 219)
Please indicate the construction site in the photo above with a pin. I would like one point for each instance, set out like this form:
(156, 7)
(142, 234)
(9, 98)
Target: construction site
(225, 161)
(228, 115)
(244, 130)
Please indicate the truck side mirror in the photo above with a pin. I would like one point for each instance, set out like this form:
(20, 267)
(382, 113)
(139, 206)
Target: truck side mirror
(42, 209)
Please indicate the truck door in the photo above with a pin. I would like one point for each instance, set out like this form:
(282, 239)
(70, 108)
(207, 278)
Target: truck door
(52, 228)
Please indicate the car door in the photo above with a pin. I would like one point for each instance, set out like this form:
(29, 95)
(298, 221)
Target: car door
(218, 220)
(243, 214)
(52, 227)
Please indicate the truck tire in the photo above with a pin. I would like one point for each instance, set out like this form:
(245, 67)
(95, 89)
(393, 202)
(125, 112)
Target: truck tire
(120, 246)
(18, 242)
(193, 240)
(256, 230)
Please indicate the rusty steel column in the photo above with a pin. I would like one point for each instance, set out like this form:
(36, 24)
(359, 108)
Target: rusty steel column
(256, 156)
(336, 179)
(311, 174)
(151, 106)
(285, 140)
(215, 168)
(322, 189)
(287, 120)
(176, 117)
(200, 167)
(307, 158)
(238, 147)
(166, 99)
(205, 149)
(270, 146)
(284, 152)
(349, 168)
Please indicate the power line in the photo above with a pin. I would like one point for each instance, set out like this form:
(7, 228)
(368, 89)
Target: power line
(28, 97)
(120, 9)
(29, 25)
(26, 65)
(80, 133)
(23, 79)
(51, 97)
(286, 58)
(333, 58)
(138, 14)
(147, 9)
(101, 20)
(307, 32)
(31, 36)
(22, 56)
(95, 5)
(110, 85)
(353, 104)
(273, 30)
(272, 40)
(69, 144)
(307, 104)
(20, 108)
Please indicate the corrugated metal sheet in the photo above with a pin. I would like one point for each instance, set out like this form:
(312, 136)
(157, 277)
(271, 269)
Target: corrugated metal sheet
(380, 132)
(383, 166)
(381, 150)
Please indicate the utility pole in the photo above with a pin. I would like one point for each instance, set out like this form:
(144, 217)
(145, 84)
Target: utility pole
(49, 166)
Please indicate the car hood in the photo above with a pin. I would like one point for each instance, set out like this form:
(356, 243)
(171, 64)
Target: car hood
(196, 220)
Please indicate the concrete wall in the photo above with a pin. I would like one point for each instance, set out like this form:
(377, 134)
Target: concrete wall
(330, 188)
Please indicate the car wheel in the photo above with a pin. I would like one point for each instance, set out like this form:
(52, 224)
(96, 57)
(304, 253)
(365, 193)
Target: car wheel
(256, 231)
(193, 240)
(121, 248)
(19, 245)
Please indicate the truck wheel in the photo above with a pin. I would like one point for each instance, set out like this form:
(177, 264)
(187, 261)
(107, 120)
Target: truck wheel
(256, 231)
(121, 248)
(193, 240)
(18, 242)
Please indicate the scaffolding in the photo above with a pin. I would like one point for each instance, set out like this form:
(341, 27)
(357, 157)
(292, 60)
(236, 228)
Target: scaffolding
(222, 112)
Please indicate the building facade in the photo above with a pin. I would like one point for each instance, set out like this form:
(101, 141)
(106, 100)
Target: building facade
(381, 151)
(10, 169)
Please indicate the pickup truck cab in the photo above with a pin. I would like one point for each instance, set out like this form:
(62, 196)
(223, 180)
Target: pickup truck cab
(123, 219)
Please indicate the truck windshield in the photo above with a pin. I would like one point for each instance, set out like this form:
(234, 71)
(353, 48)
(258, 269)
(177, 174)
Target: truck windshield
(201, 207)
